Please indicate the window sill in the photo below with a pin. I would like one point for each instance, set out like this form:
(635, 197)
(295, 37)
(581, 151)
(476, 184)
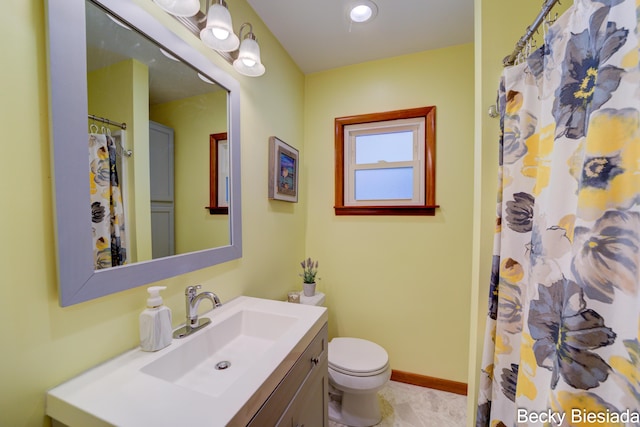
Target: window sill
(387, 210)
(216, 210)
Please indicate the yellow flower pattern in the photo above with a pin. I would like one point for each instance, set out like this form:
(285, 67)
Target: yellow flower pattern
(610, 172)
(537, 161)
(578, 407)
(528, 368)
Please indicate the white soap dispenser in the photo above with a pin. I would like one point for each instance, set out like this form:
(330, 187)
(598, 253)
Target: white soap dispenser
(155, 322)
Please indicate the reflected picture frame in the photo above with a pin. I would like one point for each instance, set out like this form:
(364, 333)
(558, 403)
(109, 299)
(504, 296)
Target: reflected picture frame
(218, 174)
(283, 171)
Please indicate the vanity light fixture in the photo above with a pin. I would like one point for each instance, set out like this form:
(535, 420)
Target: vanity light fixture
(215, 30)
(218, 33)
(183, 8)
(248, 62)
(362, 11)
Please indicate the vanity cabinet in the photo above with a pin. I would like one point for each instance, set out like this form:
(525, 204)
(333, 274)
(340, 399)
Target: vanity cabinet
(301, 398)
(278, 375)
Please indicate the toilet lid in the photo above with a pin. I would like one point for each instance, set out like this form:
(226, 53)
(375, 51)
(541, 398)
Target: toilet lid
(357, 356)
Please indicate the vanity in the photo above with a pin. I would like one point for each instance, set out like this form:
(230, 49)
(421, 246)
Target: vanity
(259, 363)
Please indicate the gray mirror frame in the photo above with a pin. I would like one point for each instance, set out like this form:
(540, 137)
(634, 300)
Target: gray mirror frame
(78, 281)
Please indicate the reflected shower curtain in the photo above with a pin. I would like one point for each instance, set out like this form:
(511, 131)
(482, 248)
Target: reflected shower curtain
(562, 346)
(107, 212)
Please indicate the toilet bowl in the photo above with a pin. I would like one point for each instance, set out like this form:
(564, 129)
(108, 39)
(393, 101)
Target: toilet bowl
(357, 370)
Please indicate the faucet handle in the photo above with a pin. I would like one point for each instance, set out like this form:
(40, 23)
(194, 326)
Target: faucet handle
(191, 290)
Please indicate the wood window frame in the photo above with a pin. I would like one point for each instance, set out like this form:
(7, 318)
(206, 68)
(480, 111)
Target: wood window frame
(214, 208)
(430, 206)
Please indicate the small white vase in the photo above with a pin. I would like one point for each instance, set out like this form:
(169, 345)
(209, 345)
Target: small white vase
(309, 289)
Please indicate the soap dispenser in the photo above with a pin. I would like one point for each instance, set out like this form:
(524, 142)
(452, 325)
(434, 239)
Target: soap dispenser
(155, 322)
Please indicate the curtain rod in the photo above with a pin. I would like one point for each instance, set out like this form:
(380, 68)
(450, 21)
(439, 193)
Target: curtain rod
(546, 8)
(107, 121)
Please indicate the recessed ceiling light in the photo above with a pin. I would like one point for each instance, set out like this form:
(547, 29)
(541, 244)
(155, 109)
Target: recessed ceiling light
(363, 11)
(119, 22)
(206, 79)
(168, 55)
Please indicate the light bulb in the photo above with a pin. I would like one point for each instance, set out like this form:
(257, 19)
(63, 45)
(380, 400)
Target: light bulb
(248, 62)
(220, 34)
(361, 13)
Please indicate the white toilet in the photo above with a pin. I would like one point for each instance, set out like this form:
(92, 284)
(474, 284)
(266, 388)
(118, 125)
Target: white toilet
(357, 370)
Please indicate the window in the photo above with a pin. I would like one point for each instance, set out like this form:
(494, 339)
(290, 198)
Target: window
(385, 163)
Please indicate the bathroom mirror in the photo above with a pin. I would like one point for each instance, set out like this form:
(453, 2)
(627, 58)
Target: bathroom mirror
(78, 279)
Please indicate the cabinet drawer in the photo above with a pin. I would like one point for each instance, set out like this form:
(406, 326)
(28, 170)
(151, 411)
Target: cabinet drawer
(311, 359)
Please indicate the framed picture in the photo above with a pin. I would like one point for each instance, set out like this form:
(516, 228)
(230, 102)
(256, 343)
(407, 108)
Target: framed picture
(218, 174)
(283, 171)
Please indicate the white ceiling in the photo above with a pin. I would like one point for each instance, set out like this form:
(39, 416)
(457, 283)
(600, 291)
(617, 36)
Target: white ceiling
(109, 43)
(318, 35)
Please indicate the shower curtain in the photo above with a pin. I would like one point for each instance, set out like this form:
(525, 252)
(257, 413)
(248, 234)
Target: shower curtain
(561, 347)
(107, 212)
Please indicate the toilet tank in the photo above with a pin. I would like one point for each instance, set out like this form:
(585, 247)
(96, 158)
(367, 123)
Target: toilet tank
(317, 299)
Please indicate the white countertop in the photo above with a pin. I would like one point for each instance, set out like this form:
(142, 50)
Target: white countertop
(118, 393)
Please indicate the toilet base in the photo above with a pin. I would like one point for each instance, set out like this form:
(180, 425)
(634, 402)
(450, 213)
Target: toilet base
(356, 410)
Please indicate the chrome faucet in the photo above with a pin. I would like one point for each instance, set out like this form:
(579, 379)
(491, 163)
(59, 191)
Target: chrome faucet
(192, 302)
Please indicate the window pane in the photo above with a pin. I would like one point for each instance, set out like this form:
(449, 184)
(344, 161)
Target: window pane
(390, 147)
(384, 184)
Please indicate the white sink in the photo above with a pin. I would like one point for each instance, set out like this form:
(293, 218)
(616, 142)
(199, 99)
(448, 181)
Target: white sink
(180, 385)
(222, 353)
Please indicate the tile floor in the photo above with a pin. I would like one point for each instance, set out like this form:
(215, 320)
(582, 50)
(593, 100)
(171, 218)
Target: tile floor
(405, 405)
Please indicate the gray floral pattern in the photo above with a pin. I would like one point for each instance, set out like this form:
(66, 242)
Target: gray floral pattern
(565, 331)
(608, 255)
(520, 212)
(587, 82)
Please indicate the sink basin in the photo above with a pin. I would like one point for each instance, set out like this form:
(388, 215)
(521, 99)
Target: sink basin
(257, 340)
(222, 352)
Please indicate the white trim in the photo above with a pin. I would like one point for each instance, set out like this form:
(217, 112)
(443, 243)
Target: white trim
(414, 125)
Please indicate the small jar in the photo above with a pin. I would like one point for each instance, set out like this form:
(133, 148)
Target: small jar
(294, 297)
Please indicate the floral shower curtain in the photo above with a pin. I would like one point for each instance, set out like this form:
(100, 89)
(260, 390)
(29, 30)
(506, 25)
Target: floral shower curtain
(562, 343)
(107, 212)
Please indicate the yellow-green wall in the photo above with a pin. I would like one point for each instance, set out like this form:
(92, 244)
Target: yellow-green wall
(498, 26)
(193, 119)
(402, 282)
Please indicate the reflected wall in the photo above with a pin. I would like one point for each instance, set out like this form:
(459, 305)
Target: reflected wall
(193, 119)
